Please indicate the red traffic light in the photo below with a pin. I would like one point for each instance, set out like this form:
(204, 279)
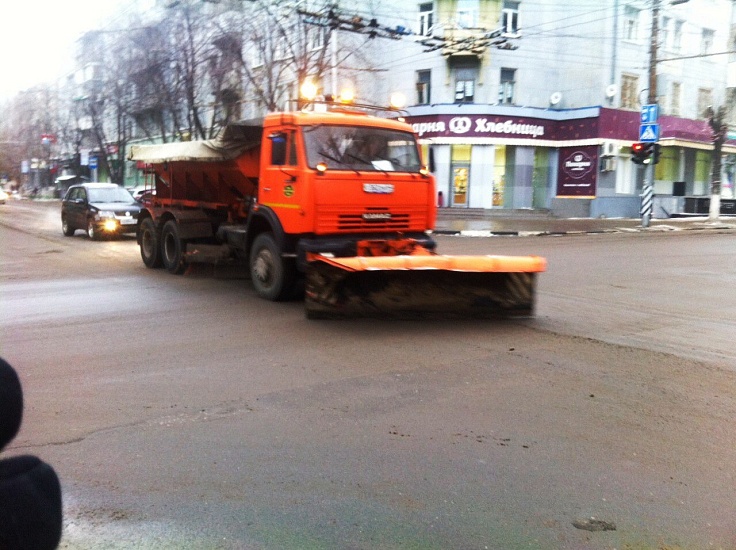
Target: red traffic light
(641, 152)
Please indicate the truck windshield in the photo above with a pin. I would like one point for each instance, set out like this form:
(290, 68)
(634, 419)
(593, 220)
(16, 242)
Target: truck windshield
(361, 148)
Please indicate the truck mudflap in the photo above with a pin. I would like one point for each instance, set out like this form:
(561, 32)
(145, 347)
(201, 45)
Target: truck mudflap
(421, 285)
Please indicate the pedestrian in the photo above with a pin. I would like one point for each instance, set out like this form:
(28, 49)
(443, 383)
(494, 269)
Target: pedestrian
(30, 492)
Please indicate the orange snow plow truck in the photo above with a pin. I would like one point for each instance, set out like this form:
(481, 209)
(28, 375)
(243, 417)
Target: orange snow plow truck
(334, 201)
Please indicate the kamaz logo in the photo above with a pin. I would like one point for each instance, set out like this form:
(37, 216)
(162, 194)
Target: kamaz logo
(380, 188)
(369, 216)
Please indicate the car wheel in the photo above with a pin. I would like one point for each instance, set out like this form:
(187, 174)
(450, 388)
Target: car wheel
(172, 248)
(67, 229)
(273, 277)
(149, 241)
(92, 232)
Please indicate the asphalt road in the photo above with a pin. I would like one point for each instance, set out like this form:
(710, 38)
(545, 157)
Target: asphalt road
(184, 412)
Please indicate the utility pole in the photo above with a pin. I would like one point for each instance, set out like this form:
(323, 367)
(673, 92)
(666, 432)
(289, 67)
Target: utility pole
(648, 187)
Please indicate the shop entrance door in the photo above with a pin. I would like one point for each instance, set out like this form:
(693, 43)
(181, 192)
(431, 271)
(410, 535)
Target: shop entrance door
(460, 175)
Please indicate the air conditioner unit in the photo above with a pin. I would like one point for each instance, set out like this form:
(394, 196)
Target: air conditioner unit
(610, 149)
(608, 164)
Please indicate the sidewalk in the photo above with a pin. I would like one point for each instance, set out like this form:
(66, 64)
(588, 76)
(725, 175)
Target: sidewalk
(473, 222)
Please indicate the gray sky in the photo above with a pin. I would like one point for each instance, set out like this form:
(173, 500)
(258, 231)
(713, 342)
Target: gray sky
(37, 38)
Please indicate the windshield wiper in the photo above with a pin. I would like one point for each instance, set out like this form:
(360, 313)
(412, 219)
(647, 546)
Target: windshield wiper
(330, 157)
(368, 162)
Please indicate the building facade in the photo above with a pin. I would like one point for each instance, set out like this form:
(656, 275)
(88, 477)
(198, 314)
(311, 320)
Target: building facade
(536, 105)
(517, 104)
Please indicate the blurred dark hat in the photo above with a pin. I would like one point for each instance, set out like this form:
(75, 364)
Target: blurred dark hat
(11, 404)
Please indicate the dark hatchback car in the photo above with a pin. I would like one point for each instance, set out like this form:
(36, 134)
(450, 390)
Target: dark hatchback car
(100, 209)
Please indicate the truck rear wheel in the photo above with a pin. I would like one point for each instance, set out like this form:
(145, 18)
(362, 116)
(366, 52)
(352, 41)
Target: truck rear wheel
(273, 277)
(150, 249)
(172, 248)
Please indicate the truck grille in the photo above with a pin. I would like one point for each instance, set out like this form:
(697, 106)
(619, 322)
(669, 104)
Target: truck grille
(370, 219)
(373, 219)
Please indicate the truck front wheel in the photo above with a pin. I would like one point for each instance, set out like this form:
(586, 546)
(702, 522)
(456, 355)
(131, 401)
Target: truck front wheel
(273, 277)
(172, 248)
(150, 249)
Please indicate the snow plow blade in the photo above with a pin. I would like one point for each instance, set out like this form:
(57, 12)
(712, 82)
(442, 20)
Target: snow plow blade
(422, 286)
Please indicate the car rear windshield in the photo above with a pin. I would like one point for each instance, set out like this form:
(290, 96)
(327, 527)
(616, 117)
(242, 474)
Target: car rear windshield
(109, 194)
(361, 148)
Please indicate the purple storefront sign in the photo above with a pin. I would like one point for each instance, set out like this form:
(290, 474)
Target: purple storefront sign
(578, 172)
(481, 126)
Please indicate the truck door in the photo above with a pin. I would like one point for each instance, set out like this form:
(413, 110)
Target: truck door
(280, 187)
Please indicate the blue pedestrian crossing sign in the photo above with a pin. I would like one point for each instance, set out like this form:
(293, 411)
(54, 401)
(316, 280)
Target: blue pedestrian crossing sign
(649, 133)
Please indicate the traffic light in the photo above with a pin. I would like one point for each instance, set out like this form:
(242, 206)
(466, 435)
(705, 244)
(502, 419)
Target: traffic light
(641, 152)
(655, 153)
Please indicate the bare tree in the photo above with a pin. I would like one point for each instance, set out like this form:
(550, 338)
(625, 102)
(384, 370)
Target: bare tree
(281, 50)
(717, 123)
(27, 133)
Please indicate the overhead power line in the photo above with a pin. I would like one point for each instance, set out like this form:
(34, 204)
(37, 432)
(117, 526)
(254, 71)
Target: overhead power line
(472, 40)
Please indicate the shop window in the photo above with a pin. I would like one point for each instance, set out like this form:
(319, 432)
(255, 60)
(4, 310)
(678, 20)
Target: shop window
(460, 174)
(668, 167)
(426, 19)
(507, 86)
(499, 176)
(626, 175)
(423, 87)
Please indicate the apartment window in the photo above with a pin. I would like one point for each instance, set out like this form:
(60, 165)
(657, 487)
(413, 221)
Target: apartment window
(256, 57)
(665, 32)
(507, 86)
(631, 23)
(675, 99)
(706, 42)
(464, 91)
(426, 19)
(629, 91)
(467, 13)
(423, 87)
(677, 35)
(705, 101)
(510, 17)
(316, 37)
(465, 78)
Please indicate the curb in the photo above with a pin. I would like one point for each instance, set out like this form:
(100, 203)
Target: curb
(654, 229)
